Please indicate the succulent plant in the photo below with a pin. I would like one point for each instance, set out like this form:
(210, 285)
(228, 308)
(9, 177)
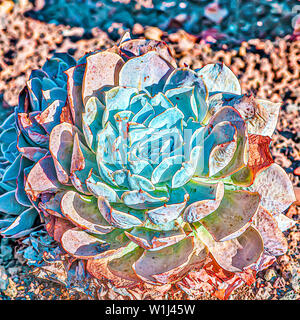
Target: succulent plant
(145, 172)
(24, 141)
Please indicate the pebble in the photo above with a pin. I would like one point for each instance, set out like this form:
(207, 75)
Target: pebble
(263, 294)
(279, 283)
(3, 279)
(290, 295)
(270, 274)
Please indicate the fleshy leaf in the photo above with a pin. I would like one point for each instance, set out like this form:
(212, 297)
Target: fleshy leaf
(221, 156)
(96, 186)
(204, 199)
(32, 153)
(138, 47)
(74, 85)
(190, 101)
(266, 125)
(52, 205)
(166, 213)
(185, 77)
(261, 115)
(233, 215)
(259, 158)
(122, 266)
(82, 245)
(126, 37)
(154, 240)
(237, 254)
(245, 104)
(166, 169)
(11, 173)
(137, 182)
(116, 218)
(170, 118)
(92, 120)
(275, 243)
(156, 266)
(22, 224)
(187, 169)
(32, 130)
(61, 146)
(142, 200)
(34, 87)
(218, 77)
(284, 223)
(42, 178)
(275, 189)
(238, 159)
(84, 213)
(49, 96)
(116, 263)
(102, 70)
(83, 160)
(148, 71)
(9, 203)
(50, 117)
(21, 195)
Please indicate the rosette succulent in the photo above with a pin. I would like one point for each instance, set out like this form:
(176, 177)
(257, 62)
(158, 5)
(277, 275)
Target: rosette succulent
(145, 172)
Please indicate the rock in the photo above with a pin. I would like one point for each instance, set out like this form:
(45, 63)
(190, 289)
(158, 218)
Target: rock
(14, 270)
(11, 290)
(3, 279)
(153, 33)
(263, 294)
(215, 13)
(295, 281)
(290, 295)
(279, 283)
(270, 274)
(137, 29)
(6, 7)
